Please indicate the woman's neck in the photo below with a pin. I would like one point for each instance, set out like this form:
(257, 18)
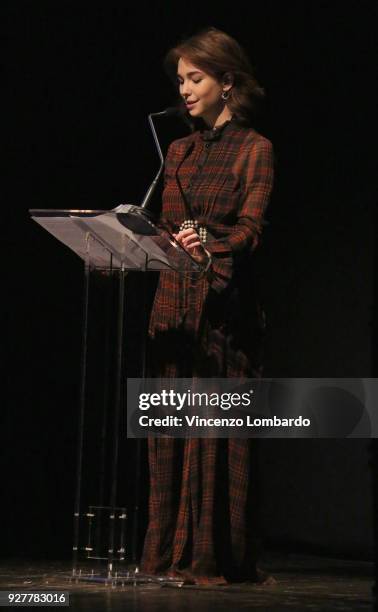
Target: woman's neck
(218, 119)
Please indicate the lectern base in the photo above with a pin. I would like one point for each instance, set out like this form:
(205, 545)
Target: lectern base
(127, 576)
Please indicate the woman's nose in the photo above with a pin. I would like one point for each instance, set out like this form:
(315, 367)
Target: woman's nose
(185, 90)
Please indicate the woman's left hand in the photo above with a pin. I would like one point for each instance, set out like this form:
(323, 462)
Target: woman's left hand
(190, 241)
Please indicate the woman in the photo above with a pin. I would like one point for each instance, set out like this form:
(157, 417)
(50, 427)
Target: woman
(217, 185)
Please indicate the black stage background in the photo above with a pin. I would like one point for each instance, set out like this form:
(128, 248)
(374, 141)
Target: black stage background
(82, 81)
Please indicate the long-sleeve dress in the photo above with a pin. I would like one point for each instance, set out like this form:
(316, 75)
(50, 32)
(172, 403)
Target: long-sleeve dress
(210, 326)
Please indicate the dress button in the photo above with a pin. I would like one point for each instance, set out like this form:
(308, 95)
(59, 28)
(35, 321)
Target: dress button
(207, 144)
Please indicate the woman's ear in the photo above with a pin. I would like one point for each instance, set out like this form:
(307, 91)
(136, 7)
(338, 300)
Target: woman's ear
(228, 79)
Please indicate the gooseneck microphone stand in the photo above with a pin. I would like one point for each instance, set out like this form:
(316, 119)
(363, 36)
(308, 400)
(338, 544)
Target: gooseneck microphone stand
(139, 216)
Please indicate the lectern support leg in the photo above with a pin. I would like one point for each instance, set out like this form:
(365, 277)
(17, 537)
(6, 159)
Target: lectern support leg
(84, 349)
(117, 420)
(138, 445)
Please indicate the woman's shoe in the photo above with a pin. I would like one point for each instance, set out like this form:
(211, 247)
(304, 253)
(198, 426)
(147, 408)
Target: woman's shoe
(263, 578)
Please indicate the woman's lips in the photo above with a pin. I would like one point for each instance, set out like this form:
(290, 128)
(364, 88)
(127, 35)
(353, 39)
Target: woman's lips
(190, 104)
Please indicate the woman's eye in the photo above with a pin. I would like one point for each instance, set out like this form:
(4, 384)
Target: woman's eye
(194, 81)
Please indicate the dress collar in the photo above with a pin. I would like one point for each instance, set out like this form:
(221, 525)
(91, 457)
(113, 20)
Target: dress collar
(216, 132)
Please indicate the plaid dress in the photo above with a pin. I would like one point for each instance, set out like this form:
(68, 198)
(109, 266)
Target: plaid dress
(209, 326)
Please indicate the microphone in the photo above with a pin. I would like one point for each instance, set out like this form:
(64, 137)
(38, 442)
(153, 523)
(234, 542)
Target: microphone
(168, 112)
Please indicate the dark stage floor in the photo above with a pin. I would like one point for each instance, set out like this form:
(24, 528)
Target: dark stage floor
(303, 583)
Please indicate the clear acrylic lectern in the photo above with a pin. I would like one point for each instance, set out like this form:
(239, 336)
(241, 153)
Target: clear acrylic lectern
(114, 242)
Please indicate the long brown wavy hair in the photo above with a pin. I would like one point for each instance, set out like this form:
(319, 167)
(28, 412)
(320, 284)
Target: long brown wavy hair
(217, 53)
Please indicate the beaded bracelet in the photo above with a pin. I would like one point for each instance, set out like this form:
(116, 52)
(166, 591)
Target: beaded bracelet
(200, 229)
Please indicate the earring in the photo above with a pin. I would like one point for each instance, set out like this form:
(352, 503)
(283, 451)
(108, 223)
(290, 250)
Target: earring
(225, 95)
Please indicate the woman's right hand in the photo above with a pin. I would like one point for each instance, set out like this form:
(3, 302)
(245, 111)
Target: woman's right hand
(190, 241)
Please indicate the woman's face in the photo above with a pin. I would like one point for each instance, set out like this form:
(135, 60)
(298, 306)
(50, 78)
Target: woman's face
(201, 92)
